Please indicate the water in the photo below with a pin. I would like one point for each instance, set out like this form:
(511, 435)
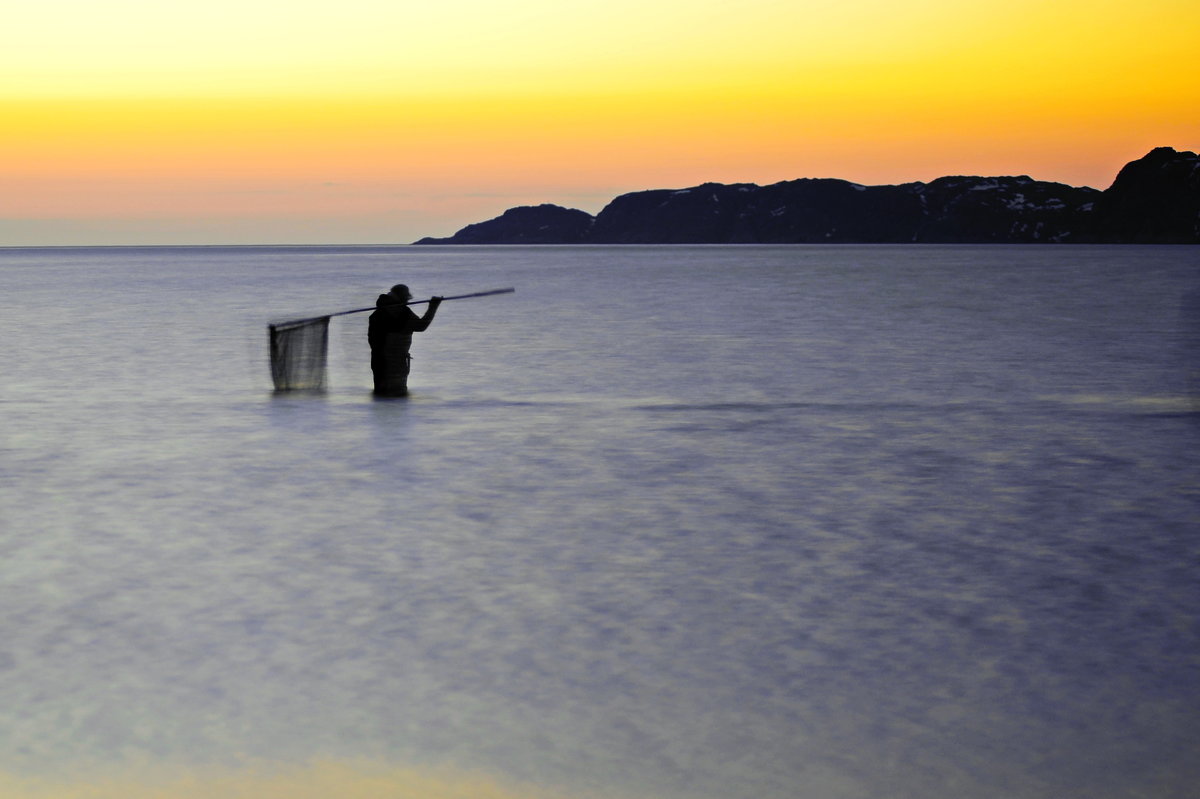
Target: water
(702, 522)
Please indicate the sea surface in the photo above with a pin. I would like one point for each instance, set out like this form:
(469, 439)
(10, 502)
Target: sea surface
(802, 522)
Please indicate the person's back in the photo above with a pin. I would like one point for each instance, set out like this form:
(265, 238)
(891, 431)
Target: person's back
(389, 333)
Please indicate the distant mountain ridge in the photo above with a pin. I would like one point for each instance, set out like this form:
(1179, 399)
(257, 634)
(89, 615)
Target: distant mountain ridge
(1154, 200)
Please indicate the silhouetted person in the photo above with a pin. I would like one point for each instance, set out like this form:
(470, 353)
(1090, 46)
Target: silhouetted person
(389, 332)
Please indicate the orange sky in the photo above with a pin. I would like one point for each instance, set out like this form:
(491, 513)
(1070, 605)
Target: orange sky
(262, 121)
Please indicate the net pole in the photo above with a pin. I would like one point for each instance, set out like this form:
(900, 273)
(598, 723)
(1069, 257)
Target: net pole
(413, 302)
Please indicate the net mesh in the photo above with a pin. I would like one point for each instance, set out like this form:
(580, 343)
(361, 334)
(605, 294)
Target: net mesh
(298, 354)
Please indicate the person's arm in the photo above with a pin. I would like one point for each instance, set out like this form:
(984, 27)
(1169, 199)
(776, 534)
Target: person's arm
(424, 321)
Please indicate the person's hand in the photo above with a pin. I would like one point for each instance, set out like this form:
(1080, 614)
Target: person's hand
(435, 301)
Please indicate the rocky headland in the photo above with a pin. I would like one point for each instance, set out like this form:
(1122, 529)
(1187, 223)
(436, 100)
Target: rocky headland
(1153, 200)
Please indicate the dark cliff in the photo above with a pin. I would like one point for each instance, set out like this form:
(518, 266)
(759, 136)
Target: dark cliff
(541, 224)
(1154, 199)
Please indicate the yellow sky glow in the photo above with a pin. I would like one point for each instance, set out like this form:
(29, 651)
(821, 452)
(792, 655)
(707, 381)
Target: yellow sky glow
(411, 121)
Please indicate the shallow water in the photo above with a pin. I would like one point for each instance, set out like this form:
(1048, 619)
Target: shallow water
(668, 521)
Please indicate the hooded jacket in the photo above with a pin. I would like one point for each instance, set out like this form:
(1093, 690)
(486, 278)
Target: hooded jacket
(390, 328)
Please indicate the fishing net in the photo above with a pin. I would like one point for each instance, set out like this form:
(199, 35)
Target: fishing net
(298, 353)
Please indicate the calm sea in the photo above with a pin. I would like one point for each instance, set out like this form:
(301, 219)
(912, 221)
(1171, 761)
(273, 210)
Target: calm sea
(671, 522)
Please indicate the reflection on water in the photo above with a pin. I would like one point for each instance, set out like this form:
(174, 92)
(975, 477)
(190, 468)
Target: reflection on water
(828, 522)
(351, 780)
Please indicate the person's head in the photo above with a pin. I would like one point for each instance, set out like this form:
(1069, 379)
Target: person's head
(401, 292)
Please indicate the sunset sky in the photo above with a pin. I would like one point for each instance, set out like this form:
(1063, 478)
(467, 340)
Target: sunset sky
(377, 121)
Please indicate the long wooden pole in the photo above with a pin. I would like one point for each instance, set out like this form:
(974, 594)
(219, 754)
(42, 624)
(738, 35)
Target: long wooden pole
(291, 322)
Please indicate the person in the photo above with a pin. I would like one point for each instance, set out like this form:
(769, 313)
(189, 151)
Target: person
(389, 332)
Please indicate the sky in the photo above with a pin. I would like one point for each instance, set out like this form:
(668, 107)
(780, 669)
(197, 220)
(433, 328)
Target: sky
(377, 121)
